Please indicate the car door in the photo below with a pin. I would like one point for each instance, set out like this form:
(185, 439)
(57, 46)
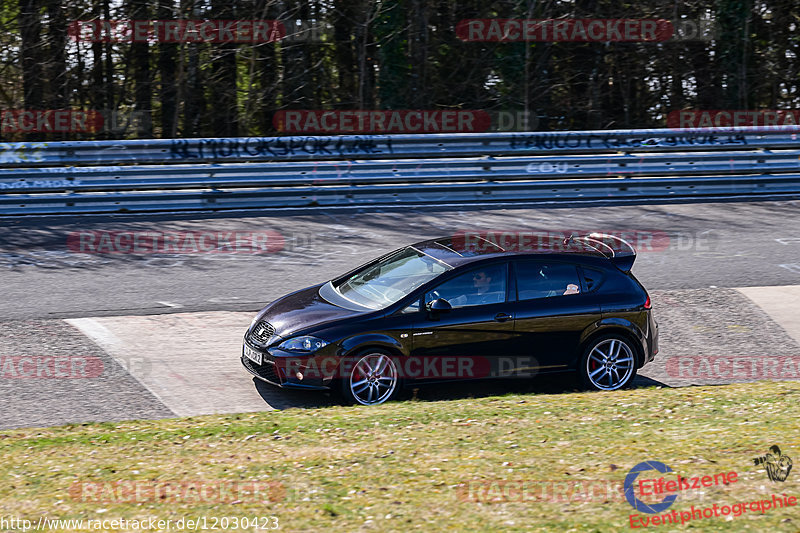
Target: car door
(551, 312)
(467, 341)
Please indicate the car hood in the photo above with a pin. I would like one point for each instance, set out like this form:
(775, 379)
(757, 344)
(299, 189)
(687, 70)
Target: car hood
(302, 310)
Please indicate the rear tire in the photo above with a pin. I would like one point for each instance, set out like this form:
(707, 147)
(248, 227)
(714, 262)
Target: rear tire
(608, 363)
(369, 378)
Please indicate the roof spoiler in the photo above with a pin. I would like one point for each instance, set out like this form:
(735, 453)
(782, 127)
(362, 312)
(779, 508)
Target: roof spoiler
(618, 251)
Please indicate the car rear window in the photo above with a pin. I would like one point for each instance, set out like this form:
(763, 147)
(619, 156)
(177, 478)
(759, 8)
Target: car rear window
(544, 280)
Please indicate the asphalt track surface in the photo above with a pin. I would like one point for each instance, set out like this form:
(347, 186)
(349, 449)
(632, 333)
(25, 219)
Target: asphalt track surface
(166, 327)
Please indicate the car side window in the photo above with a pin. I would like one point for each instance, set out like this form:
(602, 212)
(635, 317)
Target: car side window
(593, 278)
(545, 280)
(480, 286)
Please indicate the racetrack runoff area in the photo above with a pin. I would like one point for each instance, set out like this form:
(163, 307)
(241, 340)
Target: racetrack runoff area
(159, 335)
(149, 370)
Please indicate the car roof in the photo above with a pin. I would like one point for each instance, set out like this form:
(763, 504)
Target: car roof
(459, 250)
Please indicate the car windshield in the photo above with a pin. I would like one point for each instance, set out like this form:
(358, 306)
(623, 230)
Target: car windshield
(394, 277)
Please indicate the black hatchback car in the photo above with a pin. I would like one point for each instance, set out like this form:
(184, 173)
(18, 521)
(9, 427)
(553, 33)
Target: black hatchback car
(448, 309)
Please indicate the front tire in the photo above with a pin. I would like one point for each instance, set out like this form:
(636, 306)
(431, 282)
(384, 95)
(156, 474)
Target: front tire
(370, 378)
(608, 363)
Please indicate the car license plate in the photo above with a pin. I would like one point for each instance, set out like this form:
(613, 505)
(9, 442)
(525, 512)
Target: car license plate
(253, 355)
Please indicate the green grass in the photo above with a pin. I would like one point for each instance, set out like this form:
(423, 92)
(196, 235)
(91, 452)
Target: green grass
(402, 466)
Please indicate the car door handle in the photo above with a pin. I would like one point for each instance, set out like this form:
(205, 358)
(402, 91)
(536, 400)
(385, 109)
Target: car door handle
(502, 317)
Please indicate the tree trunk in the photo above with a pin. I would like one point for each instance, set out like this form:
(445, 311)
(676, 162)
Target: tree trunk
(31, 52)
(140, 61)
(224, 118)
(167, 66)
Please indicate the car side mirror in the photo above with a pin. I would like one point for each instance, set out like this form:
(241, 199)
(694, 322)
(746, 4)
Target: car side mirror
(440, 305)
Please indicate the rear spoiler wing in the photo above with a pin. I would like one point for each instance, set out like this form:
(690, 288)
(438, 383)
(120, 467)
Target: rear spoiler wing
(617, 250)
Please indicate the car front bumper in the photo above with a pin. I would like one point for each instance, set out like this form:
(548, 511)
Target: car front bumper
(283, 371)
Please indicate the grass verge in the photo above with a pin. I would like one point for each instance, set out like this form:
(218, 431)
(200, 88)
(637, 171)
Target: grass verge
(416, 465)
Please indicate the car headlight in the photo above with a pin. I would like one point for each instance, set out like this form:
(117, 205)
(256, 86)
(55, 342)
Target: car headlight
(305, 344)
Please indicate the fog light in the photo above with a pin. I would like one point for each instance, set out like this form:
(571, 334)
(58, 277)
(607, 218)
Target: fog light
(299, 376)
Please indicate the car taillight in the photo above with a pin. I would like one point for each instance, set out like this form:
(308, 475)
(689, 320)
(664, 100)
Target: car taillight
(647, 304)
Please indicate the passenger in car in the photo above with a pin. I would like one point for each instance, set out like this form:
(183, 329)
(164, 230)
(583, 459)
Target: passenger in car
(572, 289)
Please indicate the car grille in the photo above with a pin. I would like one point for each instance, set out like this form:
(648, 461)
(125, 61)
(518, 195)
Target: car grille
(266, 370)
(262, 332)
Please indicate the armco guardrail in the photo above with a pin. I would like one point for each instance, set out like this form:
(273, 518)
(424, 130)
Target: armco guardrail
(305, 148)
(148, 175)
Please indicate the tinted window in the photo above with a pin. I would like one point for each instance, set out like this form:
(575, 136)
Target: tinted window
(543, 280)
(480, 286)
(592, 277)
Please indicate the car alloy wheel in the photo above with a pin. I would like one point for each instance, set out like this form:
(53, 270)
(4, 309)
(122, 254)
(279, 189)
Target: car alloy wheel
(373, 379)
(609, 363)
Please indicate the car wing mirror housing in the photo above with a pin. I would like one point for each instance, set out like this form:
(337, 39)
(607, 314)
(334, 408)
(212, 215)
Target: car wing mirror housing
(440, 305)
